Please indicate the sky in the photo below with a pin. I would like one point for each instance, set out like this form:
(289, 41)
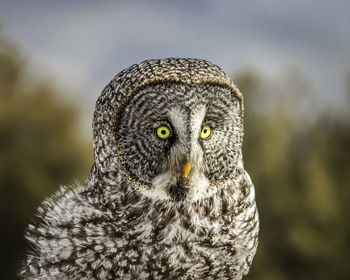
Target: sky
(83, 44)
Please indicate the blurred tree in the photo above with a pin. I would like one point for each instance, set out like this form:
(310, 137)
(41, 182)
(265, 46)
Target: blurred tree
(302, 179)
(40, 149)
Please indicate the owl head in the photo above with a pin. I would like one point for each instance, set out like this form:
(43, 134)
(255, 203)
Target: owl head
(171, 128)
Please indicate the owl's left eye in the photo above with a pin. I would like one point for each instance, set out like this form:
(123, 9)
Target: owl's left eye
(206, 131)
(163, 132)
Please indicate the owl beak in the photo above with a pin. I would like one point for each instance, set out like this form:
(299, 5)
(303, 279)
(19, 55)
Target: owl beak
(187, 169)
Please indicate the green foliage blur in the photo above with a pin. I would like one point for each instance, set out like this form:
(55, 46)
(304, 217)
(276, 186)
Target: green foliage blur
(299, 163)
(301, 171)
(40, 149)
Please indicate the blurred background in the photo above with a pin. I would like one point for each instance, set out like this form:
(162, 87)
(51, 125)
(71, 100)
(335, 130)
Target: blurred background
(291, 60)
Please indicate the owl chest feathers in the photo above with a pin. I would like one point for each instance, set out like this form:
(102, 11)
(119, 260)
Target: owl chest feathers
(214, 235)
(134, 235)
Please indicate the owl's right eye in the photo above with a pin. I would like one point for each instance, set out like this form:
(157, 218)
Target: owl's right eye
(163, 132)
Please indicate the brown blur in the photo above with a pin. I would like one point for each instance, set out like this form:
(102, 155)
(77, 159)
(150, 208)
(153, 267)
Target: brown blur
(40, 149)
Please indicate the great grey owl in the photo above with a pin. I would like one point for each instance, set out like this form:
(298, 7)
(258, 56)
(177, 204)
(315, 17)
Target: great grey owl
(167, 196)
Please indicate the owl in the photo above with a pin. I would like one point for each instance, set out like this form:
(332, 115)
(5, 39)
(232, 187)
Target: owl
(167, 196)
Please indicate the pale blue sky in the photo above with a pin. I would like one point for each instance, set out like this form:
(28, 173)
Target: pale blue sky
(83, 43)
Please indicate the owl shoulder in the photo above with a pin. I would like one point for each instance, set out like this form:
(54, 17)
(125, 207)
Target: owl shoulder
(60, 234)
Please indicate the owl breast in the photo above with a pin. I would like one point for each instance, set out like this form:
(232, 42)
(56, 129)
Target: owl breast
(214, 238)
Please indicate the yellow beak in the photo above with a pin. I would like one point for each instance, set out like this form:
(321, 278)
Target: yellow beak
(187, 169)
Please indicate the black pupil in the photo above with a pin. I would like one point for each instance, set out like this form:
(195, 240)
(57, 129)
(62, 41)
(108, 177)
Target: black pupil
(163, 132)
(205, 130)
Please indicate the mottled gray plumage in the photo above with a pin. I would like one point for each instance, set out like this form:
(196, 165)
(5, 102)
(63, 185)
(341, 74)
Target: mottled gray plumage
(138, 216)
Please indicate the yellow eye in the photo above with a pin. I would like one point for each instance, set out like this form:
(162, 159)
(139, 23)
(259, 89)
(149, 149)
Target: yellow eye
(163, 132)
(206, 131)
